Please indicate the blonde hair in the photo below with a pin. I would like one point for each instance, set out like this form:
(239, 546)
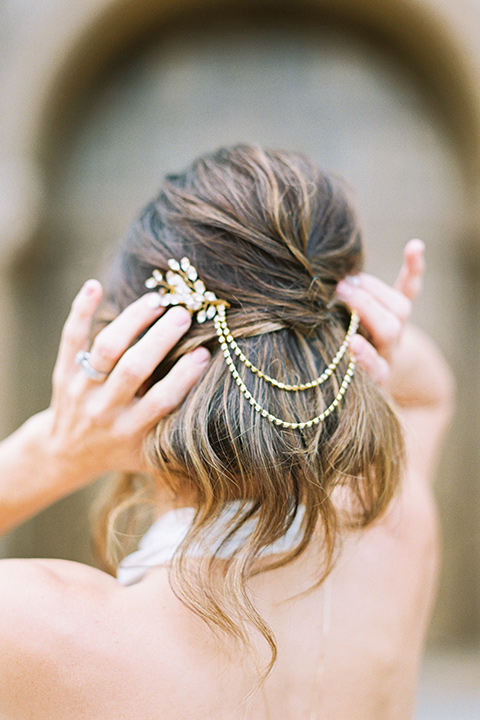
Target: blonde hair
(272, 235)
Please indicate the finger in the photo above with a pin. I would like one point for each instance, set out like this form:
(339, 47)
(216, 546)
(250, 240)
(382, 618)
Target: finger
(76, 331)
(369, 360)
(410, 278)
(169, 392)
(389, 297)
(138, 363)
(382, 325)
(111, 343)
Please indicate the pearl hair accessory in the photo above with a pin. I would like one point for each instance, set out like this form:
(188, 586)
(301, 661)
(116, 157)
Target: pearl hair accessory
(180, 285)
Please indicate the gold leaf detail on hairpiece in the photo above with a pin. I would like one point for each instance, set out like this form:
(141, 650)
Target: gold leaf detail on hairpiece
(181, 286)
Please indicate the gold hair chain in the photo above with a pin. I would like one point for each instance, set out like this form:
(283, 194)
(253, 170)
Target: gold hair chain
(181, 286)
(352, 329)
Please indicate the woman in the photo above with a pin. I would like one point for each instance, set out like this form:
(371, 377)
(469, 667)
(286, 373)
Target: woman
(291, 569)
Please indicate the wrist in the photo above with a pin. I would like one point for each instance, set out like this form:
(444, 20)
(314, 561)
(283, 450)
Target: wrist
(33, 474)
(51, 462)
(420, 375)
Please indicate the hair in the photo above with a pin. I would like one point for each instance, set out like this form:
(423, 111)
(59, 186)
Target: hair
(272, 235)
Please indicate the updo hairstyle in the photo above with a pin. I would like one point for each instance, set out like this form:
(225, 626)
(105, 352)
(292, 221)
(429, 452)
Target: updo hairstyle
(271, 234)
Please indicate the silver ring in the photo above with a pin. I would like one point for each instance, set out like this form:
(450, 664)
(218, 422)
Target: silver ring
(82, 358)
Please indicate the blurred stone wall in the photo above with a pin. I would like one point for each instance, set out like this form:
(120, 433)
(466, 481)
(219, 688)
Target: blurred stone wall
(100, 98)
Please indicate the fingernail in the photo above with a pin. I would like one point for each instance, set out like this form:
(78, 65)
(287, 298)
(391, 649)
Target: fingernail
(90, 287)
(417, 244)
(179, 316)
(353, 280)
(357, 347)
(344, 290)
(153, 300)
(201, 355)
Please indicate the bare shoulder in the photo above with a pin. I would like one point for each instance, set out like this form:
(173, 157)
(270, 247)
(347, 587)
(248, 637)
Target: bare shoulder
(30, 589)
(33, 588)
(75, 643)
(49, 610)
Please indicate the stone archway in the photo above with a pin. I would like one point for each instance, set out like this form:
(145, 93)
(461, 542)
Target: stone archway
(436, 36)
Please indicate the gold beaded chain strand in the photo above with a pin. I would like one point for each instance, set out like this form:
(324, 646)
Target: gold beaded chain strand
(258, 408)
(352, 329)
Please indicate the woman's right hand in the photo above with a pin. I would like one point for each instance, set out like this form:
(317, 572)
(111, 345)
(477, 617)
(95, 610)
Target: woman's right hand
(401, 358)
(384, 311)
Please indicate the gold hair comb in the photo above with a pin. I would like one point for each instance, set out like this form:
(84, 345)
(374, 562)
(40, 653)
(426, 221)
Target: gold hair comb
(180, 285)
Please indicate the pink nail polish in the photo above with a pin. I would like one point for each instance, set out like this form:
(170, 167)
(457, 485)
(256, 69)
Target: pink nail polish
(180, 316)
(201, 355)
(344, 290)
(89, 287)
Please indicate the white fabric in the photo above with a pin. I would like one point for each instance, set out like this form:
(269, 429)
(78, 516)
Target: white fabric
(160, 542)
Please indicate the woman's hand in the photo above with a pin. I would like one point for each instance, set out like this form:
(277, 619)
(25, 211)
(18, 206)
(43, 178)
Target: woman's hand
(93, 427)
(383, 311)
(96, 426)
(402, 358)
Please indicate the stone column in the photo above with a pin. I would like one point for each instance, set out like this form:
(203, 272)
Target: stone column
(21, 203)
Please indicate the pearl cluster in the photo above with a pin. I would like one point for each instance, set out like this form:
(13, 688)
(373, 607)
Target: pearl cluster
(181, 286)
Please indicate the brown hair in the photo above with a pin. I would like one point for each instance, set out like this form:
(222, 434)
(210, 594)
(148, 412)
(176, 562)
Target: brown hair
(271, 234)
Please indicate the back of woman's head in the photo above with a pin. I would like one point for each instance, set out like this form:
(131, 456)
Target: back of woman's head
(272, 235)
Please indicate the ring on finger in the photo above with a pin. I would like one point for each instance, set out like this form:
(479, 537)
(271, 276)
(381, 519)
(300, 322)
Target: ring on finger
(82, 358)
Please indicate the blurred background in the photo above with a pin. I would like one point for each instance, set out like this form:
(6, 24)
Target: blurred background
(100, 98)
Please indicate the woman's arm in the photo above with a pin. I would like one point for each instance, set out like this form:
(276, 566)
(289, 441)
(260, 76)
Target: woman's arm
(402, 358)
(94, 427)
(423, 388)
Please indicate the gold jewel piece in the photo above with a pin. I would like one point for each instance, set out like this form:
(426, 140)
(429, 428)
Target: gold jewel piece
(180, 285)
(352, 329)
(219, 323)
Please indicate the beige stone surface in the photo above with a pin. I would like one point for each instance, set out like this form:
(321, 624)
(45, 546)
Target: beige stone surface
(450, 685)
